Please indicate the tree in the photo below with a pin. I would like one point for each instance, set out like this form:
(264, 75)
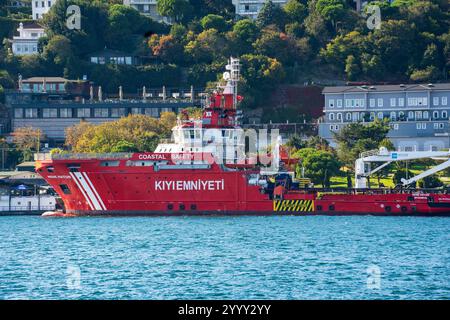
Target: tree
(135, 133)
(430, 182)
(319, 165)
(241, 38)
(282, 47)
(259, 76)
(94, 21)
(295, 142)
(58, 50)
(331, 10)
(270, 14)
(358, 137)
(27, 140)
(224, 8)
(123, 23)
(208, 46)
(167, 48)
(74, 133)
(178, 10)
(401, 174)
(214, 21)
(295, 11)
(352, 68)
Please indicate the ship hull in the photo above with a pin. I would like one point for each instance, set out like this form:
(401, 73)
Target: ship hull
(96, 187)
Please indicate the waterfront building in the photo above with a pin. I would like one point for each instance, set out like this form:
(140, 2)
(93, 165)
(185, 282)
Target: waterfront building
(418, 113)
(53, 104)
(251, 8)
(147, 7)
(17, 4)
(41, 7)
(108, 56)
(27, 41)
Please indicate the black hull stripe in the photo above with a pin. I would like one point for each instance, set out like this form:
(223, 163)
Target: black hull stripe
(258, 213)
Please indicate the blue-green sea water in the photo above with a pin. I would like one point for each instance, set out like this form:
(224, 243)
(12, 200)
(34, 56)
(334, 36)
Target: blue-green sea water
(225, 258)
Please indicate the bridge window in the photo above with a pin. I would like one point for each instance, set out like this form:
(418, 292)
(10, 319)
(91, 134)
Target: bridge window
(110, 163)
(65, 189)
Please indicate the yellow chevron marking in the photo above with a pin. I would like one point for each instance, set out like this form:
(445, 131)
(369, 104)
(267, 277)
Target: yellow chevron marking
(293, 205)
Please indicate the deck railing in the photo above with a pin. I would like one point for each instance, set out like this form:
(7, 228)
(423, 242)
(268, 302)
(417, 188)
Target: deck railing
(81, 156)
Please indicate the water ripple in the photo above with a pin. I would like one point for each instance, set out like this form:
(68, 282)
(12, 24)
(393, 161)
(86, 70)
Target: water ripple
(224, 258)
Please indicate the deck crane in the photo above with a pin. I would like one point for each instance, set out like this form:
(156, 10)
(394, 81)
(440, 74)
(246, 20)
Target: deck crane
(363, 168)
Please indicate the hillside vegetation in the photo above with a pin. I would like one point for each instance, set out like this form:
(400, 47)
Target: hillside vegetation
(304, 40)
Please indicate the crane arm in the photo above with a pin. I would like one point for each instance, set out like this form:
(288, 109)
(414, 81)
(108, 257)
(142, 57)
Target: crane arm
(427, 173)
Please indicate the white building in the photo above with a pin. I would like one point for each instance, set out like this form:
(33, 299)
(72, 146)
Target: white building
(27, 41)
(41, 7)
(147, 7)
(251, 8)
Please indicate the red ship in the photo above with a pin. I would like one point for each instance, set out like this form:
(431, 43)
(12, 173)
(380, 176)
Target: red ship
(198, 175)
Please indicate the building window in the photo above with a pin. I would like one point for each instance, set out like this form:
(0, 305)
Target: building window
(117, 112)
(331, 103)
(435, 114)
(380, 115)
(348, 116)
(372, 116)
(426, 115)
(359, 103)
(94, 59)
(65, 113)
(413, 102)
(50, 113)
(393, 100)
(136, 110)
(401, 102)
(339, 116)
(339, 103)
(18, 113)
(444, 101)
(152, 112)
(380, 102)
(410, 115)
(372, 103)
(418, 115)
(31, 113)
(331, 116)
(83, 113)
(421, 126)
(435, 101)
(101, 113)
(444, 114)
(395, 126)
(128, 60)
(393, 116)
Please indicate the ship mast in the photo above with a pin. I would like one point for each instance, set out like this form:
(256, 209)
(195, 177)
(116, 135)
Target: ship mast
(232, 76)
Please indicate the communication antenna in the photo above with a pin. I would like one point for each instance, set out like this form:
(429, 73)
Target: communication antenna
(234, 74)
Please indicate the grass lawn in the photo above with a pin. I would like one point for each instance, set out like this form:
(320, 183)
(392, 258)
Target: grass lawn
(417, 169)
(342, 182)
